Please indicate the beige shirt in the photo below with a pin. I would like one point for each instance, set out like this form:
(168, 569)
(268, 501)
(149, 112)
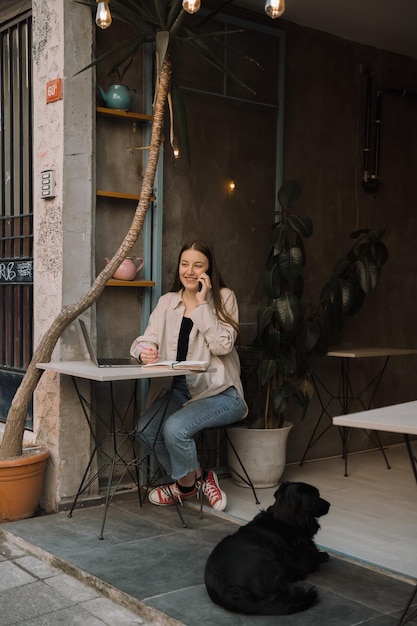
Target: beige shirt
(211, 340)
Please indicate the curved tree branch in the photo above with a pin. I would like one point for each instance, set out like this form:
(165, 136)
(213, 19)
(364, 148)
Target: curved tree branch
(15, 424)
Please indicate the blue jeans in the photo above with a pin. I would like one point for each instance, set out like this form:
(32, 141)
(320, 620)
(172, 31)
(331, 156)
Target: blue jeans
(168, 427)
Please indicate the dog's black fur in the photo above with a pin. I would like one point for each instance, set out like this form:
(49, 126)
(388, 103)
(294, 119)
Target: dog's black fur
(253, 571)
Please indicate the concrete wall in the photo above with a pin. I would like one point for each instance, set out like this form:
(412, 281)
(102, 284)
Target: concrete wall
(63, 142)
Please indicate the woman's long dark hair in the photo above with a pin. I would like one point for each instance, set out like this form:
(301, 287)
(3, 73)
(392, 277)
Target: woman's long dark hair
(217, 281)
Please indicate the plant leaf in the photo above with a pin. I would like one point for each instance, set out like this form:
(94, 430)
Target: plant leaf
(368, 274)
(288, 309)
(264, 316)
(266, 370)
(290, 261)
(279, 236)
(301, 224)
(340, 293)
(272, 282)
(289, 193)
(162, 41)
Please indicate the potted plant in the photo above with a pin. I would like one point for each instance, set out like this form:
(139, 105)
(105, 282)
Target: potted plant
(292, 332)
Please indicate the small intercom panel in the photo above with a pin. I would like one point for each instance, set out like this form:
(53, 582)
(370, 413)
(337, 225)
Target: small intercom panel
(48, 184)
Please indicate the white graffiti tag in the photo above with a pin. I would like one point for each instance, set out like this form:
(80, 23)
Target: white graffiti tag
(7, 272)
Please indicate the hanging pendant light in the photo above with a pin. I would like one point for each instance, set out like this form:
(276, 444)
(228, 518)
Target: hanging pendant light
(103, 15)
(274, 8)
(191, 6)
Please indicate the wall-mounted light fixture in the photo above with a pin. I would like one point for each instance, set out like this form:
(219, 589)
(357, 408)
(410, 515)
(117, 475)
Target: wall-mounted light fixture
(274, 8)
(103, 15)
(231, 185)
(175, 149)
(191, 6)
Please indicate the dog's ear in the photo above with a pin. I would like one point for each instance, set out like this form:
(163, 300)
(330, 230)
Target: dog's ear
(281, 489)
(295, 506)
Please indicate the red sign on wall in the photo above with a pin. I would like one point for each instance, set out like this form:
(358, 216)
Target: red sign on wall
(53, 90)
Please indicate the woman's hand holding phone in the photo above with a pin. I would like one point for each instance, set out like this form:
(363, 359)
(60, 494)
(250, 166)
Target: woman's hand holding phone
(204, 286)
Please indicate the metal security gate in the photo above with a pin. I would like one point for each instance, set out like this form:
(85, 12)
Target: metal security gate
(16, 217)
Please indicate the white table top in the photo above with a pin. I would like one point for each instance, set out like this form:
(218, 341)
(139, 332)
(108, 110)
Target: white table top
(398, 418)
(87, 369)
(356, 353)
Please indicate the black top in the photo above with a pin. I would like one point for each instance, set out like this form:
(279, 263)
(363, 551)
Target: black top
(183, 338)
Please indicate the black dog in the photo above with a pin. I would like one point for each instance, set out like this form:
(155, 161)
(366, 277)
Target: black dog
(253, 571)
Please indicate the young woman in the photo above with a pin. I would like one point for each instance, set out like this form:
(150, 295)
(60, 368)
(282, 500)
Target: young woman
(196, 320)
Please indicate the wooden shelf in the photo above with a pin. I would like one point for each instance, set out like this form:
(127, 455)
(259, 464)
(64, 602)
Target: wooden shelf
(119, 196)
(128, 115)
(116, 194)
(113, 282)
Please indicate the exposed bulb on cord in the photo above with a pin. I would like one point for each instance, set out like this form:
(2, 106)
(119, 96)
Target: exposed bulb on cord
(274, 8)
(103, 15)
(191, 6)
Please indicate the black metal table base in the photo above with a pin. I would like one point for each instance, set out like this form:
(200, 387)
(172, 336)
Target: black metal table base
(409, 612)
(345, 397)
(119, 435)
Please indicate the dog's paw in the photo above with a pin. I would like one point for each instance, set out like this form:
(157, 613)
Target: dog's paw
(323, 556)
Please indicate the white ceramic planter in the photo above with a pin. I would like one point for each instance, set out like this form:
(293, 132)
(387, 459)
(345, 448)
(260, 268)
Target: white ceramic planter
(263, 453)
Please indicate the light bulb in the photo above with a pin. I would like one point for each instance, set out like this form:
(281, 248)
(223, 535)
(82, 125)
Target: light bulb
(274, 8)
(191, 6)
(231, 185)
(103, 15)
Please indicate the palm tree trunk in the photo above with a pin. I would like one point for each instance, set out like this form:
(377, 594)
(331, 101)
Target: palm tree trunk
(15, 425)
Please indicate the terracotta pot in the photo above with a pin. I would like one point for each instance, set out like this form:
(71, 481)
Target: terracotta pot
(262, 452)
(21, 482)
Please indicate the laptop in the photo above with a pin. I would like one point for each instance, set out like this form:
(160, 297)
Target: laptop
(105, 362)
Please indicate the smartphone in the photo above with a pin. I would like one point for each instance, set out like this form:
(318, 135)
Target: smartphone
(200, 285)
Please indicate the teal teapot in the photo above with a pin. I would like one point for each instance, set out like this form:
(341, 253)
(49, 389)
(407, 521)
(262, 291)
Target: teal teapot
(118, 96)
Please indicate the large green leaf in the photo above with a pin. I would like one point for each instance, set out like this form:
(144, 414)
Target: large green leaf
(267, 368)
(340, 293)
(264, 316)
(358, 299)
(301, 224)
(375, 251)
(279, 236)
(313, 334)
(272, 282)
(290, 261)
(289, 193)
(368, 274)
(322, 346)
(288, 310)
(279, 401)
(300, 243)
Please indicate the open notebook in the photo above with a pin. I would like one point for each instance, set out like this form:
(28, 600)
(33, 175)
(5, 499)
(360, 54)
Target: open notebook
(105, 362)
(198, 366)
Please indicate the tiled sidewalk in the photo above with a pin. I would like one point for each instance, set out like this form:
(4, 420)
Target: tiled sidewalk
(32, 591)
(149, 557)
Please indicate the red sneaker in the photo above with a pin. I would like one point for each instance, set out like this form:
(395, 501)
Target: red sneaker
(210, 488)
(169, 494)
